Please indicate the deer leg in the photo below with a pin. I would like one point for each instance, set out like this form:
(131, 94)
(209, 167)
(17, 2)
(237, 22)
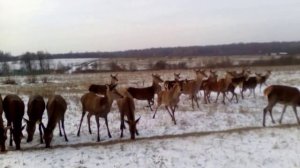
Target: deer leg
(283, 111)
(63, 128)
(196, 99)
(192, 98)
(223, 97)
(10, 139)
(88, 117)
(60, 134)
(106, 123)
(169, 112)
(122, 126)
(173, 111)
(41, 134)
(150, 103)
(155, 110)
(295, 111)
(82, 115)
(264, 115)
(98, 128)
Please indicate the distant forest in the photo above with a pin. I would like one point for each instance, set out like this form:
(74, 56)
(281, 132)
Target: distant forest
(289, 48)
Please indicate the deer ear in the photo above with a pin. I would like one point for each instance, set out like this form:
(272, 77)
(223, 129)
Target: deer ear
(136, 121)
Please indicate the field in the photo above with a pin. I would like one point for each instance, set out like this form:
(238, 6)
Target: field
(216, 135)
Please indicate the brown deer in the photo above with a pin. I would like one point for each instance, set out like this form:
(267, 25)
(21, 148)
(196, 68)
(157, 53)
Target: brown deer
(147, 93)
(261, 79)
(126, 108)
(169, 83)
(206, 85)
(285, 95)
(35, 110)
(170, 99)
(101, 89)
(98, 106)
(13, 107)
(3, 130)
(250, 83)
(56, 108)
(191, 87)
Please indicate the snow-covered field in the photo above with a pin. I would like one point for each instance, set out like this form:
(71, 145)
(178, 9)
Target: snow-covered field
(215, 135)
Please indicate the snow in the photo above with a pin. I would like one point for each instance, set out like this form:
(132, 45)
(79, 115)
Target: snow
(215, 135)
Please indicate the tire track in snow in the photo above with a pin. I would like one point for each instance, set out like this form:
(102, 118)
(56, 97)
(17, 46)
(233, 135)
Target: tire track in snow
(161, 137)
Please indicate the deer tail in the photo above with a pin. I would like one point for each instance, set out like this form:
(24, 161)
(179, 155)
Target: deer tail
(268, 90)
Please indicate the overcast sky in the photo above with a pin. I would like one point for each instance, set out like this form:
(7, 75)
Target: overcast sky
(59, 26)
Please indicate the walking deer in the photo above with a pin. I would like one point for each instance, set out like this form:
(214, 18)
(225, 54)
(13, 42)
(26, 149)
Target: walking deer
(192, 87)
(3, 129)
(285, 95)
(169, 83)
(261, 79)
(98, 106)
(35, 110)
(56, 108)
(13, 107)
(101, 89)
(147, 93)
(126, 108)
(250, 83)
(170, 99)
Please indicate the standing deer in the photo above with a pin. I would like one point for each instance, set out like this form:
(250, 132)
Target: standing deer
(56, 108)
(285, 95)
(101, 89)
(13, 107)
(3, 130)
(126, 108)
(35, 110)
(147, 93)
(250, 83)
(170, 99)
(98, 106)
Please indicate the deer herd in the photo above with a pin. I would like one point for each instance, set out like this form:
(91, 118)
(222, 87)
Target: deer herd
(98, 102)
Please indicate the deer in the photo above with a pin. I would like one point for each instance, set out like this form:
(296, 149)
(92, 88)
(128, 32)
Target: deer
(192, 87)
(35, 110)
(261, 79)
(13, 107)
(3, 129)
(101, 89)
(98, 106)
(147, 93)
(126, 108)
(56, 109)
(169, 83)
(285, 95)
(169, 98)
(249, 83)
(206, 85)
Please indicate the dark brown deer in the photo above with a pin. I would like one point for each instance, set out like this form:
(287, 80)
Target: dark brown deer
(126, 108)
(3, 129)
(13, 107)
(169, 83)
(147, 93)
(98, 106)
(56, 109)
(285, 95)
(169, 98)
(35, 110)
(250, 83)
(101, 89)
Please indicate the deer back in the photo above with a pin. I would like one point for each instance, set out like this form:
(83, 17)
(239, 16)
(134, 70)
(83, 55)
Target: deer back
(283, 94)
(56, 108)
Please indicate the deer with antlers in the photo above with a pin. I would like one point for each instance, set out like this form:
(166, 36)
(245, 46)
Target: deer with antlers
(286, 95)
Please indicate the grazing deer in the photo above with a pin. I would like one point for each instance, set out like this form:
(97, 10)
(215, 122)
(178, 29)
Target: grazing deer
(98, 106)
(170, 99)
(261, 79)
(126, 108)
(191, 87)
(56, 108)
(13, 107)
(35, 110)
(169, 83)
(285, 95)
(101, 89)
(147, 93)
(3, 130)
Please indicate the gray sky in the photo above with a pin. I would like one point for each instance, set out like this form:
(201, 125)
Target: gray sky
(60, 26)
